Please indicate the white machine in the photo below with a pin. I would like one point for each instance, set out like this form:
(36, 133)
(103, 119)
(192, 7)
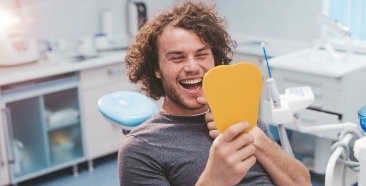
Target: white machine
(18, 48)
(285, 110)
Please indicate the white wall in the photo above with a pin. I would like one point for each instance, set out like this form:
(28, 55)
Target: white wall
(290, 19)
(71, 19)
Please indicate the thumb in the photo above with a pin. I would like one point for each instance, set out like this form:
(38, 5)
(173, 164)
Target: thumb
(202, 100)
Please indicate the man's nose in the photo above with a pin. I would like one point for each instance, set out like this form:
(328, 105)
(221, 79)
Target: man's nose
(191, 65)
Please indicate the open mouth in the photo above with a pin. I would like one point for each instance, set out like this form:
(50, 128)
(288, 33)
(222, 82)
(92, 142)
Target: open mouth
(192, 84)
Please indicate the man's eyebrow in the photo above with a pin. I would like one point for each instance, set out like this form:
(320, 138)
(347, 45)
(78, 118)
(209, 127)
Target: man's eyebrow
(174, 52)
(202, 49)
(181, 52)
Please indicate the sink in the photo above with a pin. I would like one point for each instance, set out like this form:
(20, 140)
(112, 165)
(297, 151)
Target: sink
(81, 58)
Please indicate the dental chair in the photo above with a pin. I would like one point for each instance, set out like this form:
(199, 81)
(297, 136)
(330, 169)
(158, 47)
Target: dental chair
(126, 109)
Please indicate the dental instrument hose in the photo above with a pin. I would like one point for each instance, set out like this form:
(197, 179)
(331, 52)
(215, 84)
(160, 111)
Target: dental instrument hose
(275, 97)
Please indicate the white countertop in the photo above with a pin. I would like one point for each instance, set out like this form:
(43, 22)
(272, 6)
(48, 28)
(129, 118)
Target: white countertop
(251, 44)
(40, 69)
(247, 44)
(319, 62)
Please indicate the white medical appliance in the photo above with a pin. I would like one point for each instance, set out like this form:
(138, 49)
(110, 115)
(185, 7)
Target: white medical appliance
(18, 48)
(285, 110)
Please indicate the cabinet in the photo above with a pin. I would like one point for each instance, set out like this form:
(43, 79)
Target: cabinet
(41, 126)
(101, 137)
(35, 136)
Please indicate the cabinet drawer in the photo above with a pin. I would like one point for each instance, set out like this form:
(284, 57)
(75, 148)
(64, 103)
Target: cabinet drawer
(319, 92)
(328, 105)
(328, 99)
(90, 97)
(307, 118)
(109, 74)
(312, 80)
(316, 118)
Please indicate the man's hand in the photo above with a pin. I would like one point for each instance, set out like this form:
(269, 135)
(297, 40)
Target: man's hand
(211, 125)
(209, 119)
(231, 156)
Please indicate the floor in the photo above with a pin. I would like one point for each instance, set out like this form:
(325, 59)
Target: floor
(104, 174)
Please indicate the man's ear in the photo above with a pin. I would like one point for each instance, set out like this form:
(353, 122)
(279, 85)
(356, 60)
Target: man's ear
(157, 74)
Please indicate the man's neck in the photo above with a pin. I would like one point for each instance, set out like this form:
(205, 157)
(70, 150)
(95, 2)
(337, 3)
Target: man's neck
(185, 114)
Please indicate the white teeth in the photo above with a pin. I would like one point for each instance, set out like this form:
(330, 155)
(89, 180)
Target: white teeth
(192, 81)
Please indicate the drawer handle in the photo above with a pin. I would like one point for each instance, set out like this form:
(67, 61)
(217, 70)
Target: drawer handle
(9, 134)
(316, 106)
(112, 72)
(303, 81)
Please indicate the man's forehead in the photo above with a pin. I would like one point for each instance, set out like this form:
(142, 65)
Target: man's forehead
(173, 38)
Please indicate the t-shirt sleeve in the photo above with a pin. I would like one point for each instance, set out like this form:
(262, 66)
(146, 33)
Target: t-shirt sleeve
(138, 164)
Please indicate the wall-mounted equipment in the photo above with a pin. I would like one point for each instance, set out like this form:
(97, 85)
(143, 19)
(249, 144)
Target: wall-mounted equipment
(140, 11)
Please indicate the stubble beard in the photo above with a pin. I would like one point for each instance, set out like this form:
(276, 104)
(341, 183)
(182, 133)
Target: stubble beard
(176, 98)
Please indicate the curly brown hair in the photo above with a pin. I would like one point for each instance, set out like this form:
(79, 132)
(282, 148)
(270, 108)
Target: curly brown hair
(142, 55)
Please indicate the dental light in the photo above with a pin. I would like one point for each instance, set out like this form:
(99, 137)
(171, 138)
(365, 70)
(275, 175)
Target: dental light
(333, 28)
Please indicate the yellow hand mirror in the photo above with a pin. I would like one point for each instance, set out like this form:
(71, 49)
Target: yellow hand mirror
(233, 94)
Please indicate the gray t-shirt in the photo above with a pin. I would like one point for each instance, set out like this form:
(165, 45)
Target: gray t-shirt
(173, 150)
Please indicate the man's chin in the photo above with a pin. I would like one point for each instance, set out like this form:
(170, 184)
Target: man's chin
(195, 106)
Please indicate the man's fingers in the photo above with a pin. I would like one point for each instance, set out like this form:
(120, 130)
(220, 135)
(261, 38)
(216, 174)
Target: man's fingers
(209, 117)
(202, 100)
(214, 133)
(246, 164)
(211, 126)
(242, 140)
(233, 131)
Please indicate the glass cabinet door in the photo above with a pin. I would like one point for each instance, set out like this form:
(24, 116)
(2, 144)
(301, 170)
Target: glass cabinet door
(42, 127)
(63, 126)
(27, 145)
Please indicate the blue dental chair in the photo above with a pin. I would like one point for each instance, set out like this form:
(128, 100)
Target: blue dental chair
(127, 109)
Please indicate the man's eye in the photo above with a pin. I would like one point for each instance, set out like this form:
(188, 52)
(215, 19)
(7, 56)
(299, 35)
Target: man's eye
(202, 55)
(177, 58)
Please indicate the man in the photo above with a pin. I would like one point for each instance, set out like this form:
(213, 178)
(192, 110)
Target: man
(169, 58)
